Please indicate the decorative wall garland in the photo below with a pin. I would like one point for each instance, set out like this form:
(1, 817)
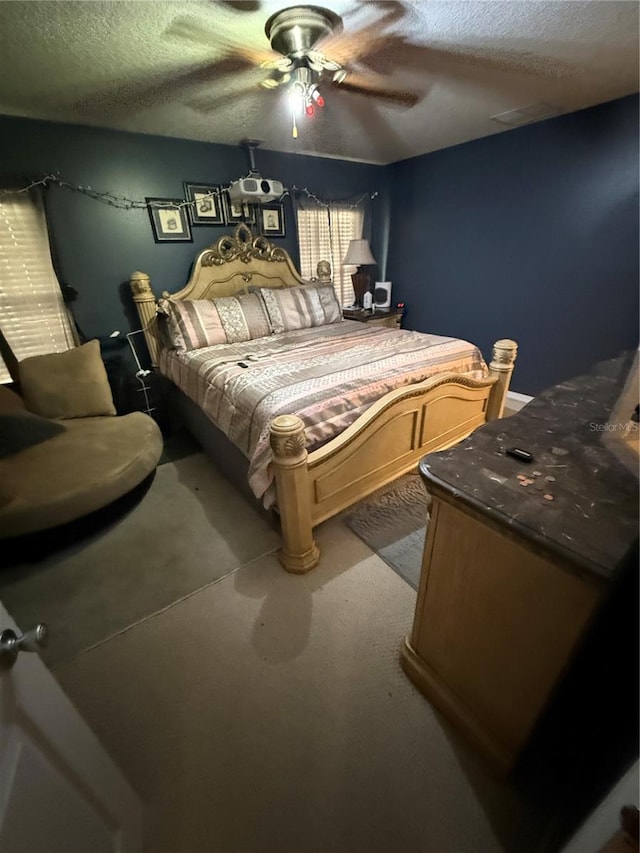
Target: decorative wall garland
(124, 203)
(321, 203)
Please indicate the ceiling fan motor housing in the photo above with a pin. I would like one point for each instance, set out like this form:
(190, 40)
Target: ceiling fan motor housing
(294, 31)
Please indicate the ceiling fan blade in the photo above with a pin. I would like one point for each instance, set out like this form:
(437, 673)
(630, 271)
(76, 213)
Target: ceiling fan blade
(260, 56)
(346, 47)
(283, 64)
(493, 58)
(242, 5)
(375, 86)
(381, 136)
(132, 96)
(195, 31)
(209, 103)
(460, 61)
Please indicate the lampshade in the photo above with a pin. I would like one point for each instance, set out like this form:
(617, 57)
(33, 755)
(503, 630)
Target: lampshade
(358, 253)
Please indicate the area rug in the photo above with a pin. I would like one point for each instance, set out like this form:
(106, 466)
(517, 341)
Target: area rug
(185, 529)
(392, 522)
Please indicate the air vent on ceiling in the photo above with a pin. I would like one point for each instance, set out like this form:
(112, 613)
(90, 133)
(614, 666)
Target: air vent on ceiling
(525, 115)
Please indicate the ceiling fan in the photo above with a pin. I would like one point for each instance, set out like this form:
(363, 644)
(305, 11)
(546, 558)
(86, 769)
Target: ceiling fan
(303, 37)
(310, 51)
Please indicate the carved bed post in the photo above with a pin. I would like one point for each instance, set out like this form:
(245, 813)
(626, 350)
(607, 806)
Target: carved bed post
(502, 363)
(299, 551)
(146, 304)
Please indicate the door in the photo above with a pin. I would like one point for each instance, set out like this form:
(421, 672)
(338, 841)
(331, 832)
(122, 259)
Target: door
(59, 790)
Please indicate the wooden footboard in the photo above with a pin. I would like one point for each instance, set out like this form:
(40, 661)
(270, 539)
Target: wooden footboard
(384, 443)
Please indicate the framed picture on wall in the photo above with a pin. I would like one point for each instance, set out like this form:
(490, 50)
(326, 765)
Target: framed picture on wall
(205, 206)
(237, 211)
(169, 220)
(271, 220)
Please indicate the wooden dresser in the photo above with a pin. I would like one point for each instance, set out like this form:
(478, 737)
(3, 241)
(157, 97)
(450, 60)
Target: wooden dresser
(520, 558)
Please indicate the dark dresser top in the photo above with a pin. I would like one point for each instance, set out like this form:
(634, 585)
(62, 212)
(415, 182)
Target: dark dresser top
(579, 460)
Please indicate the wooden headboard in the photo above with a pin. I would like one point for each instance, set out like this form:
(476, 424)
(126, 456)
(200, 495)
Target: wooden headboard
(236, 263)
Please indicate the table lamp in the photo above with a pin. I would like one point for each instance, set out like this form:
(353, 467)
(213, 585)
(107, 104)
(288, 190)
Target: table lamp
(359, 253)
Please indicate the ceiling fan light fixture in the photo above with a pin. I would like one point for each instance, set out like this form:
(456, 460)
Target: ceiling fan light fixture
(294, 33)
(297, 92)
(320, 62)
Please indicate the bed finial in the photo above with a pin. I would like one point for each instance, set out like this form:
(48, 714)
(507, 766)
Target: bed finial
(503, 360)
(145, 302)
(323, 271)
(288, 445)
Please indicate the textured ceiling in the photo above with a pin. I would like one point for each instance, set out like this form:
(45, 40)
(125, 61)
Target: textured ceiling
(168, 68)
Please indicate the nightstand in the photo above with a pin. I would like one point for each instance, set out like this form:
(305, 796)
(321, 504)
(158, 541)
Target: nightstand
(391, 318)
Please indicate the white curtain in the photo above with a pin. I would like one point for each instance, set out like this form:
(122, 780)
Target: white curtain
(324, 234)
(33, 316)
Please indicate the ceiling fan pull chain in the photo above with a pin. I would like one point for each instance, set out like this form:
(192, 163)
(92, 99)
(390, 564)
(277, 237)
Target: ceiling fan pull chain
(294, 130)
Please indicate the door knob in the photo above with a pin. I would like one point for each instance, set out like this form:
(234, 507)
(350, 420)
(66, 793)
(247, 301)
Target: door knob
(30, 641)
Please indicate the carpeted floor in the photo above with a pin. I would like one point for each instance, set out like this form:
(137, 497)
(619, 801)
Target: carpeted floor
(268, 713)
(256, 711)
(392, 522)
(97, 577)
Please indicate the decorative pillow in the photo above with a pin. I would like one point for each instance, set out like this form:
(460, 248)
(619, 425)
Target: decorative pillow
(196, 323)
(70, 384)
(244, 317)
(10, 401)
(20, 430)
(192, 323)
(301, 307)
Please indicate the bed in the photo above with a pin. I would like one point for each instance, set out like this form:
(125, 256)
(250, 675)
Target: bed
(390, 396)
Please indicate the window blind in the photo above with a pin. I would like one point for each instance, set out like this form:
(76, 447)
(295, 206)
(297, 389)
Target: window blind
(33, 316)
(325, 234)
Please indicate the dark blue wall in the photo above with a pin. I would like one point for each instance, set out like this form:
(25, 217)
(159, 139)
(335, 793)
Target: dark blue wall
(530, 234)
(99, 246)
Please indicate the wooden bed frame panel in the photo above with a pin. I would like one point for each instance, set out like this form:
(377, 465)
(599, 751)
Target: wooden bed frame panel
(386, 441)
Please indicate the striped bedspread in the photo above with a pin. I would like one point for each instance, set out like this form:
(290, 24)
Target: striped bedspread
(326, 375)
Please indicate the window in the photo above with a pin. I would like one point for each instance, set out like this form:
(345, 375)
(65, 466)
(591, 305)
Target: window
(324, 234)
(33, 317)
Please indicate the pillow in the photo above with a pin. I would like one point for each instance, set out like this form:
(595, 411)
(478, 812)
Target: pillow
(192, 323)
(20, 430)
(70, 384)
(196, 323)
(244, 317)
(10, 401)
(301, 307)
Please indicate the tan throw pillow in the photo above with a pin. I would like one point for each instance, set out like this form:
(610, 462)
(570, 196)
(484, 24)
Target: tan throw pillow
(70, 384)
(10, 401)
